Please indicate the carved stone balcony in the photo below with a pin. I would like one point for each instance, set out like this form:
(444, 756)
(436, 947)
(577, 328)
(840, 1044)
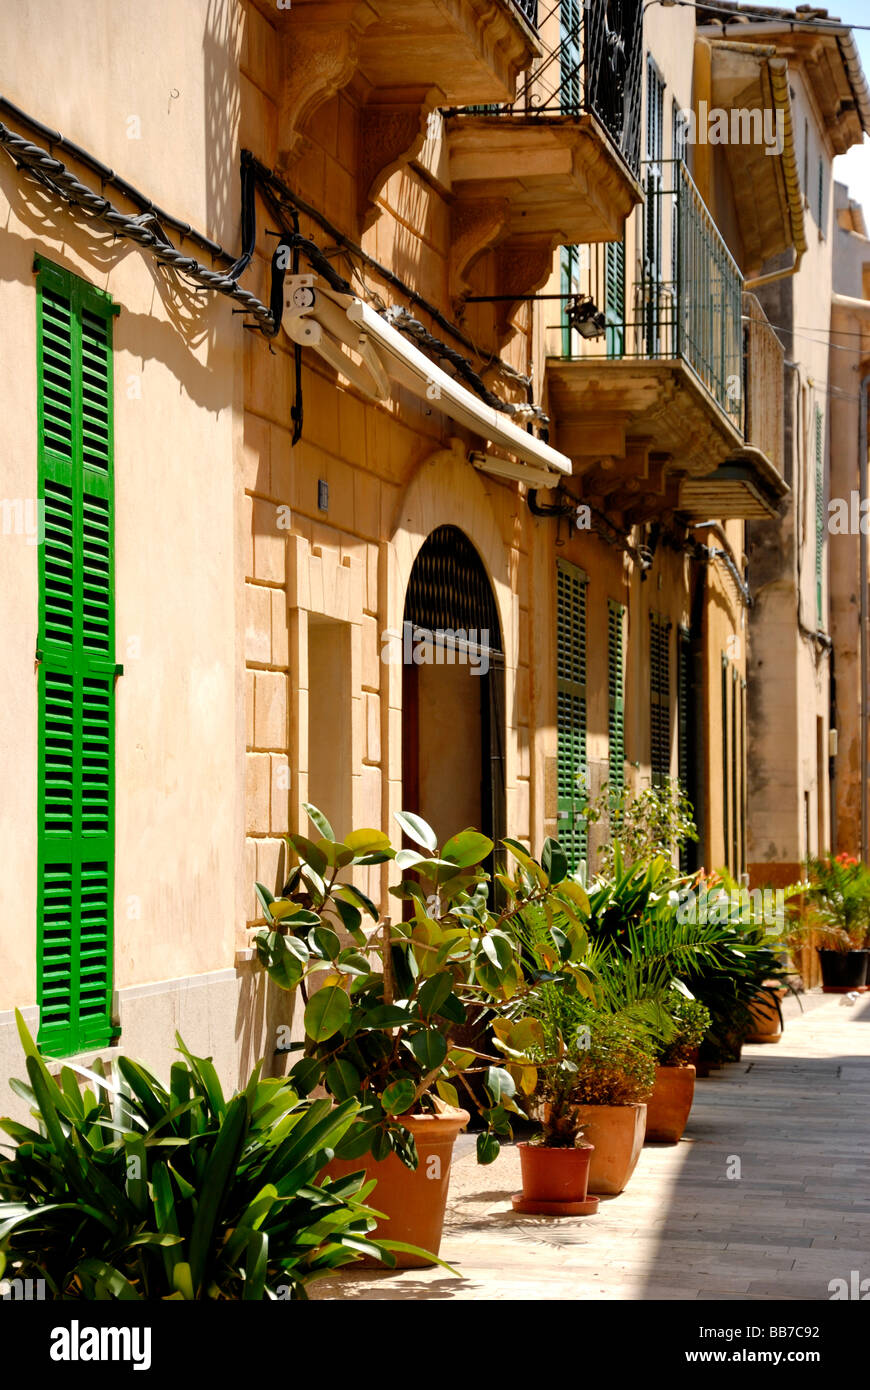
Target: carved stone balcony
(399, 54)
(559, 165)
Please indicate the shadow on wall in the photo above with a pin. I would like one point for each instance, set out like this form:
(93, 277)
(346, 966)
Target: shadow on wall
(221, 47)
(193, 319)
(264, 1015)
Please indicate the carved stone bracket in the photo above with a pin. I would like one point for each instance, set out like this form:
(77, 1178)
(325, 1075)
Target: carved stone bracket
(476, 225)
(392, 130)
(522, 268)
(320, 58)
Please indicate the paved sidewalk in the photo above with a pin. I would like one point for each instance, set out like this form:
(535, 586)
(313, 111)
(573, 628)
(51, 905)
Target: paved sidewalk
(793, 1118)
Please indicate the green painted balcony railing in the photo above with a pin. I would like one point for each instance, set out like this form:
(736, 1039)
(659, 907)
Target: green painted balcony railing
(681, 298)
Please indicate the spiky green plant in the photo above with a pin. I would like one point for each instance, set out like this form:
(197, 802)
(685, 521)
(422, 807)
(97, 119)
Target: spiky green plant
(140, 1191)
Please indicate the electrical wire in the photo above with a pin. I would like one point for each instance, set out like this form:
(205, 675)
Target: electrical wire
(760, 15)
(283, 195)
(145, 229)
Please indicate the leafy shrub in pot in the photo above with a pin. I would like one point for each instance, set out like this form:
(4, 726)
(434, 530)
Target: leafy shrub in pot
(381, 1026)
(671, 1101)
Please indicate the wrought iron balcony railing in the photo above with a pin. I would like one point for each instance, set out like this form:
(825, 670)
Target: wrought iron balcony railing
(592, 65)
(529, 11)
(671, 290)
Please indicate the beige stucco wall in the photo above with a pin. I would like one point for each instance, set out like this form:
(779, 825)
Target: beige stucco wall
(850, 349)
(178, 550)
(790, 685)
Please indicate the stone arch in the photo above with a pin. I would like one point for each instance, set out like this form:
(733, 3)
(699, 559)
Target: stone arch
(446, 490)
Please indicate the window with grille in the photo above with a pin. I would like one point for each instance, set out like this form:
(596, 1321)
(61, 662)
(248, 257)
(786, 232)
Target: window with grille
(572, 771)
(76, 664)
(660, 699)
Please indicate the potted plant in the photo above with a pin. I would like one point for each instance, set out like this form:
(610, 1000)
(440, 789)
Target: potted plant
(129, 1189)
(671, 1101)
(837, 918)
(597, 1084)
(766, 1014)
(555, 1163)
(381, 1025)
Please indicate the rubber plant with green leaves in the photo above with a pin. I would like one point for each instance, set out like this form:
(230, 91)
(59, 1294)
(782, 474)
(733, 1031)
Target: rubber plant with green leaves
(130, 1189)
(381, 1025)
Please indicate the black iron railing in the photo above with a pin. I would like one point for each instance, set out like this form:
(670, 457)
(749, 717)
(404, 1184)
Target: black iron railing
(592, 66)
(529, 11)
(671, 290)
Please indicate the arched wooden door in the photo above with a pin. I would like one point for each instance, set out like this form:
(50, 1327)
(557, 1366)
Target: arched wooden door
(453, 691)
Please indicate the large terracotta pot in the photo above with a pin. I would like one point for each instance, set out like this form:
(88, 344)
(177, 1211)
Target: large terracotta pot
(616, 1133)
(414, 1201)
(766, 1022)
(667, 1109)
(554, 1181)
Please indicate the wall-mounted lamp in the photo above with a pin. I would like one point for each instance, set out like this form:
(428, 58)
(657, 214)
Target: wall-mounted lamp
(584, 315)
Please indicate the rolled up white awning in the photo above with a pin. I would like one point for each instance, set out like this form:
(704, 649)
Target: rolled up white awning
(377, 342)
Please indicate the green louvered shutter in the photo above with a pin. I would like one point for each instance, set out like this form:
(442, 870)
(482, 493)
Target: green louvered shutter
(820, 512)
(570, 20)
(614, 297)
(77, 665)
(569, 266)
(660, 699)
(572, 771)
(616, 699)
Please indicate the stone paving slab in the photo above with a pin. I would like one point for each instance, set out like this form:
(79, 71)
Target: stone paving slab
(797, 1117)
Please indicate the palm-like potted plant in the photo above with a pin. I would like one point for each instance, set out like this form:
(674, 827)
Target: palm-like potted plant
(381, 1023)
(837, 919)
(669, 1105)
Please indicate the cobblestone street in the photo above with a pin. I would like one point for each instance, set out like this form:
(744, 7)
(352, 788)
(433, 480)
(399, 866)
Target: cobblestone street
(793, 1119)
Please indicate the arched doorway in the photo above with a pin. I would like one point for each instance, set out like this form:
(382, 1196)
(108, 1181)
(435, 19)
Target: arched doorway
(453, 677)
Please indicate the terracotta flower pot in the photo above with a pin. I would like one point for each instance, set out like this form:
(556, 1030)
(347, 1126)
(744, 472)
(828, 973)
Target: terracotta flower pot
(668, 1107)
(414, 1201)
(766, 1023)
(554, 1181)
(616, 1133)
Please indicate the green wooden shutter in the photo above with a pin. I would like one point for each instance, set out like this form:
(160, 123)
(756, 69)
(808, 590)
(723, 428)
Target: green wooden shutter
(616, 698)
(570, 19)
(77, 664)
(684, 677)
(614, 297)
(684, 728)
(820, 512)
(572, 772)
(569, 264)
(660, 699)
